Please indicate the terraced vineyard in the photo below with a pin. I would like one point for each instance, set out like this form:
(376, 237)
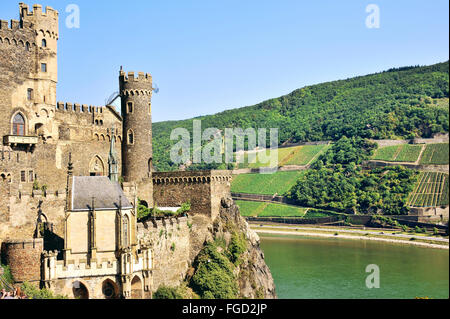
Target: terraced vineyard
(296, 155)
(266, 184)
(435, 154)
(398, 153)
(431, 190)
(262, 209)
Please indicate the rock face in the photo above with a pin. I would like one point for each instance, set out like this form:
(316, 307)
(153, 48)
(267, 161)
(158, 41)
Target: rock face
(255, 279)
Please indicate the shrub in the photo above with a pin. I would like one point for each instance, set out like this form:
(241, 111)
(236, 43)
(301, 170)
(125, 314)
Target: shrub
(165, 292)
(7, 276)
(35, 293)
(214, 277)
(237, 246)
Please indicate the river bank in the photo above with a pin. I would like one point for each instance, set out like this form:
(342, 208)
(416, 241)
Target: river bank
(342, 232)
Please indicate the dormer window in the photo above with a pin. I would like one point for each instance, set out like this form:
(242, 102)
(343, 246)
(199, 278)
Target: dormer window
(44, 43)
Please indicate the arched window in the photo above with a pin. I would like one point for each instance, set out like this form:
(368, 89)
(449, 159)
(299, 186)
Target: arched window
(130, 137)
(126, 233)
(18, 125)
(44, 43)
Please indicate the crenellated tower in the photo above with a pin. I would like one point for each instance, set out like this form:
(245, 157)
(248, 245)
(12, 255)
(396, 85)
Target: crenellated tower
(46, 34)
(137, 154)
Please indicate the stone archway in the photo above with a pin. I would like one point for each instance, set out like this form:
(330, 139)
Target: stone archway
(79, 290)
(96, 167)
(136, 288)
(110, 289)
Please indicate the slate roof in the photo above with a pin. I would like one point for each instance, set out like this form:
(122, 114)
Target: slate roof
(107, 194)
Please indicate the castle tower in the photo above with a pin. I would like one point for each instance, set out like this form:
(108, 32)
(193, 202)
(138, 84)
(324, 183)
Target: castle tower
(46, 33)
(137, 154)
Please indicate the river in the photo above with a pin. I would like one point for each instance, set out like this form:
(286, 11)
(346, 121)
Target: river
(324, 268)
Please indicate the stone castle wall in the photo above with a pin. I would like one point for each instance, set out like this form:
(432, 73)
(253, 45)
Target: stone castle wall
(170, 242)
(24, 259)
(204, 189)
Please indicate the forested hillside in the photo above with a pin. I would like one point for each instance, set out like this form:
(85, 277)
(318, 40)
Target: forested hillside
(406, 102)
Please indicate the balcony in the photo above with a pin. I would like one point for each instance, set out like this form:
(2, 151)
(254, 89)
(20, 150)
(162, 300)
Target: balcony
(13, 140)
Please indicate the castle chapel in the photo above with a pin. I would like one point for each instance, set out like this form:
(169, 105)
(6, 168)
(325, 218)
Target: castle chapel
(71, 176)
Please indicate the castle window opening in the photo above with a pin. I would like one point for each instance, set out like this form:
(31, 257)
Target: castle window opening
(30, 94)
(130, 137)
(130, 107)
(27, 46)
(23, 178)
(19, 125)
(31, 176)
(125, 231)
(44, 43)
(44, 67)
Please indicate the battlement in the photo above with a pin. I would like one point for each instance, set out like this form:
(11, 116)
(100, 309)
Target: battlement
(142, 77)
(204, 177)
(80, 108)
(34, 23)
(37, 11)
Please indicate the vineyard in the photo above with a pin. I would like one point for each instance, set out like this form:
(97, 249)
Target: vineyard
(263, 209)
(266, 184)
(436, 154)
(398, 153)
(296, 155)
(431, 190)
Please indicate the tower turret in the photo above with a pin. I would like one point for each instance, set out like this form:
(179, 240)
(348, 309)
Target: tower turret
(46, 33)
(136, 94)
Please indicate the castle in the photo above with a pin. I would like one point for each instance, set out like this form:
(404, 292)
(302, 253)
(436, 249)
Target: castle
(66, 223)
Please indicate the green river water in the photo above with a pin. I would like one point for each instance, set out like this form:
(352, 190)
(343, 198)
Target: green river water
(324, 268)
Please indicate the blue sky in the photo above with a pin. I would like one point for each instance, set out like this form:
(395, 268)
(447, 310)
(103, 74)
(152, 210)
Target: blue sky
(208, 56)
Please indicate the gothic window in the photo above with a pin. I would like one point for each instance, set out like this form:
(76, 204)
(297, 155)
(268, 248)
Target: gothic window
(130, 137)
(44, 43)
(27, 46)
(18, 125)
(96, 167)
(126, 233)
